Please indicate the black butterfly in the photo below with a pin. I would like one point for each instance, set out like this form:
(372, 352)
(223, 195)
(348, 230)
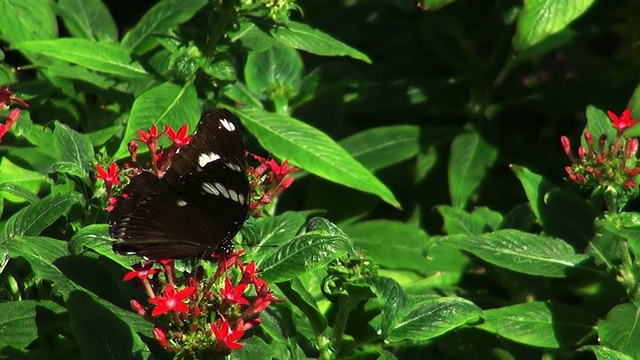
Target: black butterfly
(197, 207)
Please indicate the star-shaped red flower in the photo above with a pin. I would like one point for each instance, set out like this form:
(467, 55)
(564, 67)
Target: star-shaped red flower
(225, 336)
(171, 301)
(623, 122)
(233, 295)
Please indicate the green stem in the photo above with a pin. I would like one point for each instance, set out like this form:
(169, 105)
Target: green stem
(226, 15)
(627, 273)
(344, 308)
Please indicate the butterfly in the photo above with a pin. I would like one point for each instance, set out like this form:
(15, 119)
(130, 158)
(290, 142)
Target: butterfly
(197, 207)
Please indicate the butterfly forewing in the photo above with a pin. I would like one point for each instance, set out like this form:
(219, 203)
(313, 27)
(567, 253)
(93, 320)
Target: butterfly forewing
(217, 138)
(197, 207)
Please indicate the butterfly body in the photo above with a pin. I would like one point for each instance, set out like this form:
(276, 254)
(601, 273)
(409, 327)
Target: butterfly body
(197, 207)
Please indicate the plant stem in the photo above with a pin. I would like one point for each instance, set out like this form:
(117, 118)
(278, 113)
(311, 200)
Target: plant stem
(344, 308)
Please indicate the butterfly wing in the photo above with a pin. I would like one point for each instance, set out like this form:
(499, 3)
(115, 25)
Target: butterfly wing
(197, 207)
(153, 221)
(217, 138)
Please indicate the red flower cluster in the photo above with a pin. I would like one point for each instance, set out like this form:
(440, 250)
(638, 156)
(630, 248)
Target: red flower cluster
(268, 180)
(6, 99)
(602, 167)
(203, 317)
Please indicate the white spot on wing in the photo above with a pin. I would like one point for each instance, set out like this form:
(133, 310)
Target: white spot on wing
(223, 190)
(234, 167)
(210, 188)
(228, 125)
(206, 158)
(233, 195)
(240, 198)
(181, 203)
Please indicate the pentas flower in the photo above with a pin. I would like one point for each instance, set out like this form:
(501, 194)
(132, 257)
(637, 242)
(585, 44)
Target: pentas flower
(180, 137)
(226, 337)
(6, 98)
(141, 272)
(623, 122)
(14, 114)
(171, 300)
(208, 317)
(233, 294)
(605, 168)
(268, 180)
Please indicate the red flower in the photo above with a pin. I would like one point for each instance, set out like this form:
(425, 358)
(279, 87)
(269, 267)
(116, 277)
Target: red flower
(112, 203)
(137, 307)
(281, 170)
(180, 138)
(227, 338)
(623, 122)
(152, 136)
(161, 336)
(249, 276)
(233, 295)
(226, 261)
(11, 119)
(6, 98)
(110, 177)
(171, 301)
(140, 272)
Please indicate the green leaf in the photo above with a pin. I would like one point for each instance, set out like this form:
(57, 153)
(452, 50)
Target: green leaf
(162, 16)
(41, 253)
(391, 244)
(542, 18)
(273, 231)
(96, 237)
(19, 191)
(33, 219)
(299, 296)
(523, 252)
(73, 147)
(303, 37)
(108, 58)
(239, 93)
(252, 348)
(25, 20)
(621, 329)
(380, 147)
(274, 72)
(490, 218)
(394, 302)
(312, 150)
(460, 222)
(100, 334)
(561, 213)
(89, 19)
(75, 72)
(304, 253)
(598, 123)
(520, 218)
(540, 324)
(471, 158)
(431, 5)
(11, 174)
(432, 318)
(165, 104)
(251, 37)
(19, 321)
(604, 353)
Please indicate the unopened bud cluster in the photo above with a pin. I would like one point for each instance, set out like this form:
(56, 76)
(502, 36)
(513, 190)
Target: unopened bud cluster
(603, 166)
